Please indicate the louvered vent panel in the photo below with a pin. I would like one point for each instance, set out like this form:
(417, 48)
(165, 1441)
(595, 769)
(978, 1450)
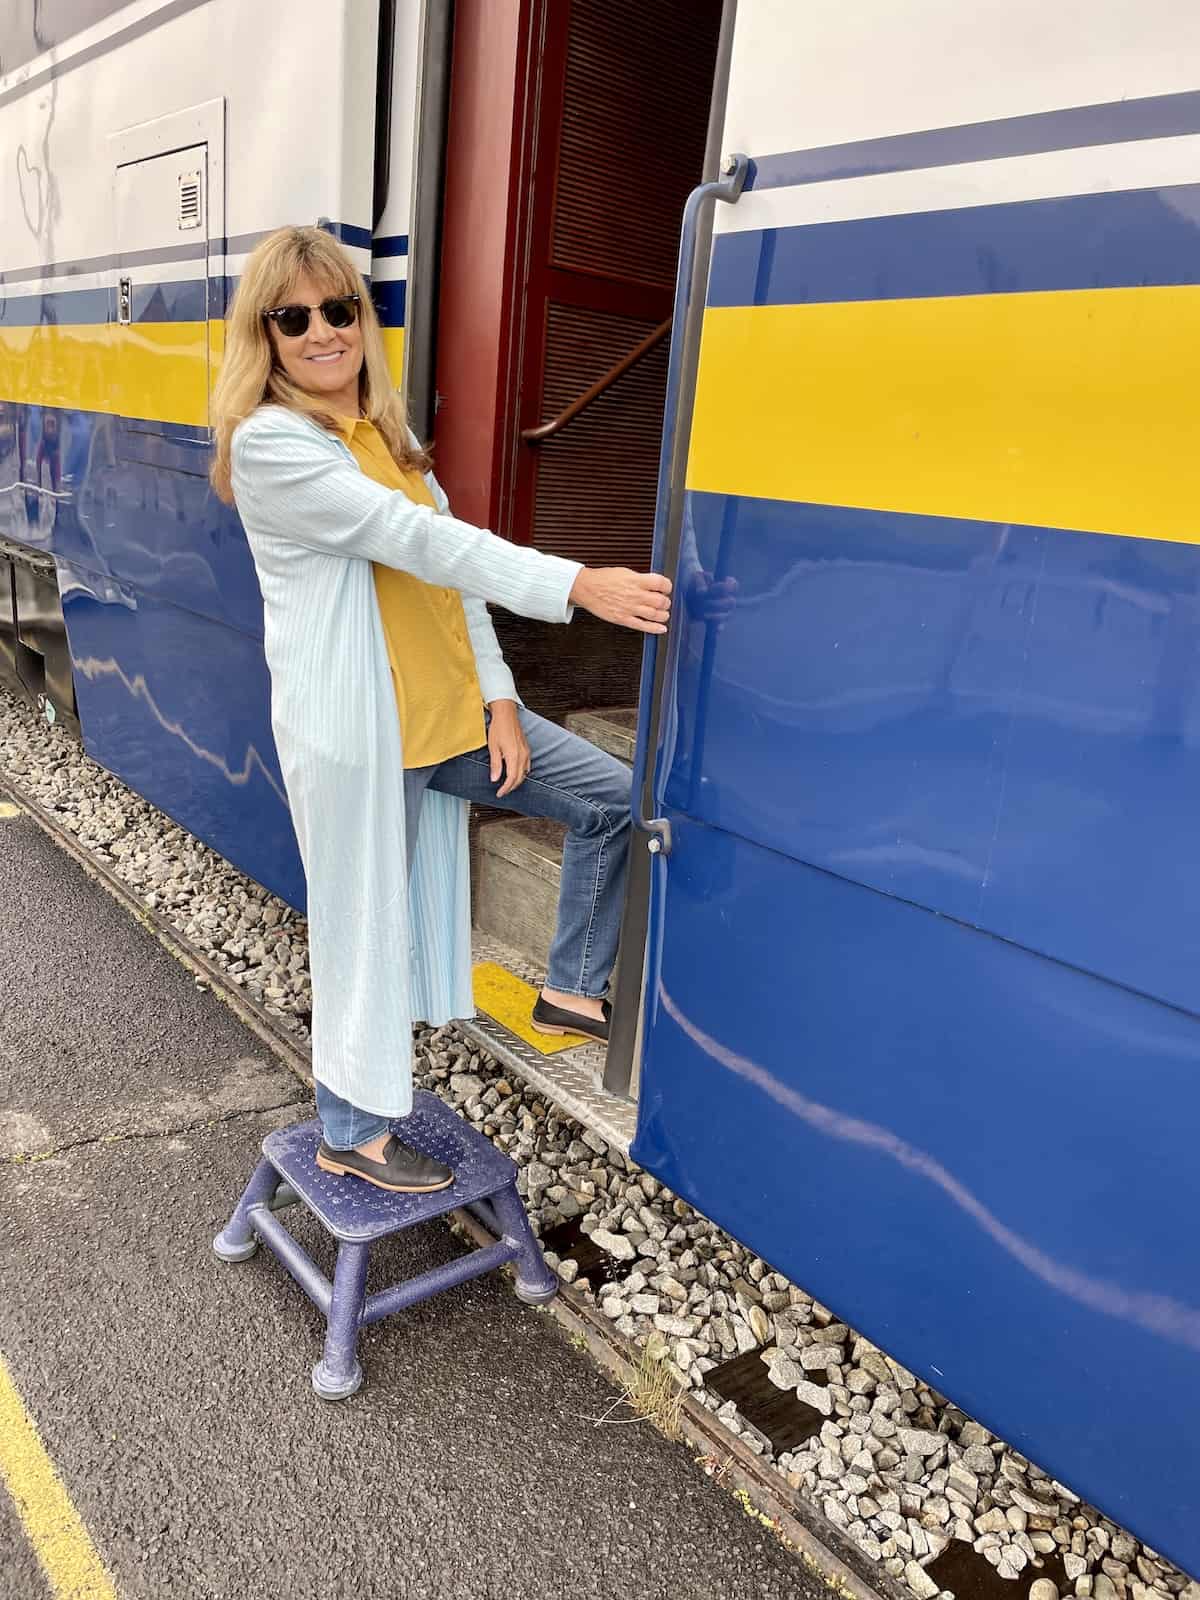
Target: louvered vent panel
(594, 500)
(189, 200)
(632, 68)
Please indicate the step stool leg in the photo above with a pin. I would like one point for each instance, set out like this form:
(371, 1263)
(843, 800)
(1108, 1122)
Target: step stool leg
(236, 1241)
(535, 1282)
(338, 1374)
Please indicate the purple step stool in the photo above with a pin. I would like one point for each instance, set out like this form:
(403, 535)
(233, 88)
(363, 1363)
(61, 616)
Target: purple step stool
(357, 1213)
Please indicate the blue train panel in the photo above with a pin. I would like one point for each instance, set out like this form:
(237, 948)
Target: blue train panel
(164, 621)
(178, 708)
(922, 993)
(983, 1159)
(969, 715)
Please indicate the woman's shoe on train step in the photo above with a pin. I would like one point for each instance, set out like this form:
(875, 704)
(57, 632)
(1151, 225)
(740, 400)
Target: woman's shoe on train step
(557, 1019)
(403, 1170)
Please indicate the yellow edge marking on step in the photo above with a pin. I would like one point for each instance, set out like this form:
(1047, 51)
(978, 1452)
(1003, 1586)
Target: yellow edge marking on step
(51, 1522)
(7, 811)
(511, 1002)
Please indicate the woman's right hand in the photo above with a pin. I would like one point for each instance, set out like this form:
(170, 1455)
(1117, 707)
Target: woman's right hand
(640, 600)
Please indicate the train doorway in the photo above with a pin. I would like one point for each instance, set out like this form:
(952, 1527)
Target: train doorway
(577, 128)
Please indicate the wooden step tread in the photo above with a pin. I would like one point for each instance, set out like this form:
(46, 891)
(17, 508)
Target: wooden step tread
(613, 729)
(533, 843)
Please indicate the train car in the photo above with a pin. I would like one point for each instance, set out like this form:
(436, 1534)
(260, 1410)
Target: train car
(875, 326)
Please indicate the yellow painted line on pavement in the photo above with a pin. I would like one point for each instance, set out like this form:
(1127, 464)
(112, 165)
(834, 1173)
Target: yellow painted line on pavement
(511, 1002)
(7, 811)
(52, 1524)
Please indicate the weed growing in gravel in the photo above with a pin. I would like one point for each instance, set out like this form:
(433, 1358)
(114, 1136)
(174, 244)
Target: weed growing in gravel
(653, 1393)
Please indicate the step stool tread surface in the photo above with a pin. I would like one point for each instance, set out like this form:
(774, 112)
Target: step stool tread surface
(355, 1211)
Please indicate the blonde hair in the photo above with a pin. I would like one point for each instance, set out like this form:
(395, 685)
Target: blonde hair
(250, 371)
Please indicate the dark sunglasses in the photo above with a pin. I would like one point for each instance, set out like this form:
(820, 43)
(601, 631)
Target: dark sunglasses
(339, 311)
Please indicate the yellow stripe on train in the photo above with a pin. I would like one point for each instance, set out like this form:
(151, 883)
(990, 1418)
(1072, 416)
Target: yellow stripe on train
(156, 371)
(1072, 409)
(153, 370)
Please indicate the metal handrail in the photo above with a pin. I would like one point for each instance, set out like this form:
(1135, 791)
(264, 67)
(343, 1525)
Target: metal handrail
(547, 430)
(735, 170)
(641, 919)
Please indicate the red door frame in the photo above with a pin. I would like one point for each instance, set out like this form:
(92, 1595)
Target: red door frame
(506, 92)
(538, 281)
(494, 80)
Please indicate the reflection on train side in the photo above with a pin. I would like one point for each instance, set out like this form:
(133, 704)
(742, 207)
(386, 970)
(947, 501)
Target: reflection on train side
(940, 709)
(35, 492)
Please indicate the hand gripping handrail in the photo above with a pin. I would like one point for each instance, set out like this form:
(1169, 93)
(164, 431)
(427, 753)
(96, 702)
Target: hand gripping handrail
(734, 172)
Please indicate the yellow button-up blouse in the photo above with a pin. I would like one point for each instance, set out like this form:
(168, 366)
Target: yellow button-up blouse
(429, 649)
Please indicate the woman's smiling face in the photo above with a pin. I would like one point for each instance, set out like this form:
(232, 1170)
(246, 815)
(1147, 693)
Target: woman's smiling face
(323, 361)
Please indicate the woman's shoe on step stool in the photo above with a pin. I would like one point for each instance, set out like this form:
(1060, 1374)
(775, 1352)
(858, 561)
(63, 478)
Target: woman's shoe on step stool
(403, 1170)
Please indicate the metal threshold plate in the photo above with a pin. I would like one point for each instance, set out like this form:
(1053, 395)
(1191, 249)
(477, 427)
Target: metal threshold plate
(569, 1077)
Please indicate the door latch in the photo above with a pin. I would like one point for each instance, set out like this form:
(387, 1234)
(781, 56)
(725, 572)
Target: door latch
(124, 299)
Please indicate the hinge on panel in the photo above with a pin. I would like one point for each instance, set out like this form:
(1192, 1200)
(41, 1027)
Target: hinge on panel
(659, 842)
(124, 299)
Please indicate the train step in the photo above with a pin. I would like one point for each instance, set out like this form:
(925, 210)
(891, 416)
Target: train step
(517, 862)
(569, 1073)
(614, 730)
(518, 868)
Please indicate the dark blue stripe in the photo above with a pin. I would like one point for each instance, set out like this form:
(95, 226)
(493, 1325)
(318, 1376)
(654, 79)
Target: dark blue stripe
(394, 245)
(190, 301)
(348, 233)
(1118, 122)
(161, 302)
(390, 300)
(236, 244)
(170, 302)
(195, 250)
(71, 305)
(1096, 241)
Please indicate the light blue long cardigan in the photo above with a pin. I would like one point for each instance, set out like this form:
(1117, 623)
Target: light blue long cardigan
(382, 952)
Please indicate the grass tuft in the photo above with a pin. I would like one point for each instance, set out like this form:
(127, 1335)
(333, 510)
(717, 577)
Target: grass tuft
(654, 1392)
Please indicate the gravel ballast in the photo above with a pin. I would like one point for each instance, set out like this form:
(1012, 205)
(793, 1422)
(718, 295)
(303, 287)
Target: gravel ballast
(897, 1468)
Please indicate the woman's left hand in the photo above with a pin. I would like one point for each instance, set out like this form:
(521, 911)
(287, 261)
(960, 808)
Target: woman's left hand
(508, 747)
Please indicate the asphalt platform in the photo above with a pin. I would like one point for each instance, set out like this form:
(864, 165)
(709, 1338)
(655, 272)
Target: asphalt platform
(172, 1391)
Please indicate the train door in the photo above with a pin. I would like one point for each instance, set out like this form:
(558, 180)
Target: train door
(577, 129)
(922, 1018)
(618, 143)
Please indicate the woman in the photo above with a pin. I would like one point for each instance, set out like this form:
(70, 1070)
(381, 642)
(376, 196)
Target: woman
(391, 703)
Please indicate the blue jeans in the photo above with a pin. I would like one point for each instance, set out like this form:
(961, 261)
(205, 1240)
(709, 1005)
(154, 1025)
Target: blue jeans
(572, 782)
